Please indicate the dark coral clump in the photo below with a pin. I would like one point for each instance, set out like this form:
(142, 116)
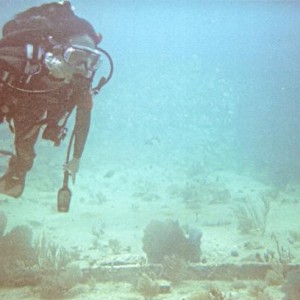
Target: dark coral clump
(167, 238)
(17, 254)
(43, 265)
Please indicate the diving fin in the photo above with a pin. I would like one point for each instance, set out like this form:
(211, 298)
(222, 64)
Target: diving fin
(12, 186)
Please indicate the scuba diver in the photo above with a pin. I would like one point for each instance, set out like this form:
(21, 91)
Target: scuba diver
(48, 58)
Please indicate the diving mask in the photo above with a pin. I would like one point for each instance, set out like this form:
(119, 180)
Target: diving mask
(73, 59)
(77, 56)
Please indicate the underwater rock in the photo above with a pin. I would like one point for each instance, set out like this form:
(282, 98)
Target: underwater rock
(291, 287)
(3, 223)
(147, 286)
(201, 294)
(168, 239)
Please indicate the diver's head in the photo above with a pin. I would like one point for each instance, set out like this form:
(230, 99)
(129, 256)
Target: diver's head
(78, 56)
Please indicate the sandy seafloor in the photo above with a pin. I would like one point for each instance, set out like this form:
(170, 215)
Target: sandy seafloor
(116, 196)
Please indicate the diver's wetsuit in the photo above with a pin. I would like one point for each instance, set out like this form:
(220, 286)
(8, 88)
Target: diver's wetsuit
(28, 110)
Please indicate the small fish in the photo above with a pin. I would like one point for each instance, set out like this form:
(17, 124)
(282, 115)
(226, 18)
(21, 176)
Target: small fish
(152, 141)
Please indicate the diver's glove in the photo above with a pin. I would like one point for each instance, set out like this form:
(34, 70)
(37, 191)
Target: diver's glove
(72, 167)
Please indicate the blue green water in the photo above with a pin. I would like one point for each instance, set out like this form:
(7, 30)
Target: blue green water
(200, 88)
(200, 74)
(204, 77)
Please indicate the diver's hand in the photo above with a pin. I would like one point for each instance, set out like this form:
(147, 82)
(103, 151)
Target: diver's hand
(72, 167)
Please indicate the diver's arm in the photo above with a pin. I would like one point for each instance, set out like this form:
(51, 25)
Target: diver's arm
(82, 126)
(82, 123)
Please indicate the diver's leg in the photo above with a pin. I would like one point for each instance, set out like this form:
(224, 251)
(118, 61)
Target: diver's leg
(26, 133)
